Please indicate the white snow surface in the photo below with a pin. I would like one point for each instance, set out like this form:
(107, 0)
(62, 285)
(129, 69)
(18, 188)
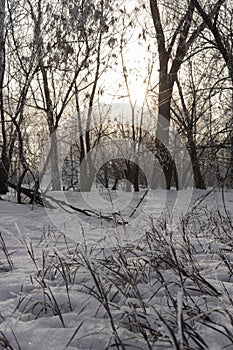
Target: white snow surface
(57, 266)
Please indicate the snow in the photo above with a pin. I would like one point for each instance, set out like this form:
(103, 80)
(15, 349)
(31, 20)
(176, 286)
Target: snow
(69, 281)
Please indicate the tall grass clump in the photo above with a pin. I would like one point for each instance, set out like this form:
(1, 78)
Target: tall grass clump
(6, 263)
(171, 289)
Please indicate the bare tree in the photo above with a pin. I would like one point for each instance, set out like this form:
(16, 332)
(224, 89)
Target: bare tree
(18, 70)
(173, 46)
(68, 40)
(222, 30)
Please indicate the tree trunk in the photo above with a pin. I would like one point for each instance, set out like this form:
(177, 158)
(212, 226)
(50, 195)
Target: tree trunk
(231, 146)
(4, 172)
(4, 162)
(231, 163)
(55, 174)
(106, 176)
(87, 174)
(165, 97)
(135, 177)
(171, 55)
(198, 178)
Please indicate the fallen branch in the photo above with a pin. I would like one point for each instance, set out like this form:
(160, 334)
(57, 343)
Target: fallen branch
(34, 196)
(87, 212)
(42, 199)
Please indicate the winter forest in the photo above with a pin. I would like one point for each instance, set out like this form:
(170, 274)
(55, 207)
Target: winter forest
(64, 66)
(116, 174)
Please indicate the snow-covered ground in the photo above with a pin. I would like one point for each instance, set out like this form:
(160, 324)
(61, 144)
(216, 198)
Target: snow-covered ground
(164, 280)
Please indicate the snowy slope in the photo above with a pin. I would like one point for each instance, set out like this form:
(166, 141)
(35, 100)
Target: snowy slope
(73, 282)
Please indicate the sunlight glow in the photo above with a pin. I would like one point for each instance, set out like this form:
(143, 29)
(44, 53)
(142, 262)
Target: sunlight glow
(137, 93)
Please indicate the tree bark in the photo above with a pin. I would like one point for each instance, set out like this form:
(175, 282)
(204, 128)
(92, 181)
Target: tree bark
(55, 173)
(198, 178)
(136, 177)
(169, 53)
(4, 162)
